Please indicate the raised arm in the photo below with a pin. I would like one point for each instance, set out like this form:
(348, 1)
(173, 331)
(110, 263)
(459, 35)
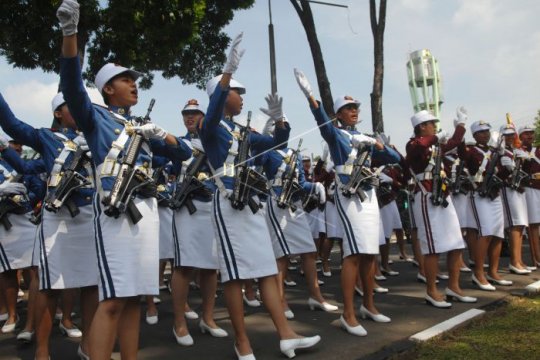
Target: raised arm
(71, 82)
(23, 166)
(17, 129)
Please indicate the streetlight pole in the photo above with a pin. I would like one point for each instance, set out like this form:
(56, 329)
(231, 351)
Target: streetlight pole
(273, 77)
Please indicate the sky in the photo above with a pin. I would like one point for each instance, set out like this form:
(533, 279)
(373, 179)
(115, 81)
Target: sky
(488, 53)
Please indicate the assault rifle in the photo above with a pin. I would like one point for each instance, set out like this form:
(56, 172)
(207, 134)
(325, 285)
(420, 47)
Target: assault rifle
(361, 175)
(517, 176)
(71, 180)
(246, 179)
(459, 180)
(190, 186)
(130, 180)
(10, 205)
(290, 184)
(439, 183)
(491, 183)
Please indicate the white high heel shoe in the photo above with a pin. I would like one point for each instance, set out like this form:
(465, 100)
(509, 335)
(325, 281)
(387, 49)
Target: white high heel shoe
(485, 287)
(243, 357)
(185, 340)
(324, 306)
(365, 313)
(217, 332)
(288, 346)
(501, 282)
(289, 314)
(464, 299)
(518, 271)
(357, 330)
(438, 304)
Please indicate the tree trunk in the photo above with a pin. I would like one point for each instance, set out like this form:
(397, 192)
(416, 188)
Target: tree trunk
(306, 17)
(377, 28)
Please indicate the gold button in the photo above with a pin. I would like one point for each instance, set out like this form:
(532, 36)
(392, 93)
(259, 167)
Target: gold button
(230, 142)
(117, 131)
(145, 164)
(59, 149)
(88, 198)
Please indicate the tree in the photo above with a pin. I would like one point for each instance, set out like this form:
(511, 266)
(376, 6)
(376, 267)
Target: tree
(377, 29)
(180, 38)
(537, 129)
(306, 17)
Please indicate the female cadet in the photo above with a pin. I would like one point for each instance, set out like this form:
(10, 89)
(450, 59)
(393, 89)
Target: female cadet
(195, 246)
(20, 252)
(19, 193)
(65, 259)
(128, 252)
(435, 238)
(289, 229)
(513, 198)
(244, 245)
(532, 189)
(360, 219)
(487, 210)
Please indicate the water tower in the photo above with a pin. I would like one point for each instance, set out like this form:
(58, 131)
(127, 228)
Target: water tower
(425, 82)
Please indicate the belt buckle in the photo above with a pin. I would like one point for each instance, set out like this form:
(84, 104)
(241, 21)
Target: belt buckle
(54, 180)
(107, 168)
(347, 169)
(228, 170)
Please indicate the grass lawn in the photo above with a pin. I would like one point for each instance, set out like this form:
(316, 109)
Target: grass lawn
(511, 331)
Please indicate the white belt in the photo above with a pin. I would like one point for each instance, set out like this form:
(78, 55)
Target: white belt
(228, 169)
(424, 176)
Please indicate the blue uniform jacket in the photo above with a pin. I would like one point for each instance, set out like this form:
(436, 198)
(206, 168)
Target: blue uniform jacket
(99, 126)
(35, 186)
(216, 139)
(45, 142)
(340, 145)
(271, 161)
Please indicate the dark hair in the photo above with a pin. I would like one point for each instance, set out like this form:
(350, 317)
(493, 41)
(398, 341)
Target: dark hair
(417, 130)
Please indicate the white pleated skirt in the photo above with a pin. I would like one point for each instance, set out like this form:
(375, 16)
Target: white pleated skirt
(334, 229)
(488, 215)
(462, 204)
(244, 244)
(17, 244)
(289, 231)
(533, 205)
(360, 222)
(515, 208)
(438, 227)
(67, 252)
(128, 254)
(390, 218)
(166, 246)
(195, 243)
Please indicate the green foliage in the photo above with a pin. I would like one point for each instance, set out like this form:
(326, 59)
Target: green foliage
(178, 37)
(537, 129)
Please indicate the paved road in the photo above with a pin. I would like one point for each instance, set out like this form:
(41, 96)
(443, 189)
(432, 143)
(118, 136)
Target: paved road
(404, 304)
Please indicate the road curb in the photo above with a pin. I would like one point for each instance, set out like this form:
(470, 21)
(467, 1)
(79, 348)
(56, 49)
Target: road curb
(446, 325)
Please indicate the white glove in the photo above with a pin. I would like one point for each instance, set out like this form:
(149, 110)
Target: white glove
(319, 190)
(385, 178)
(507, 163)
(361, 139)
(268, 128)
(303, 82)
(235, 54)
(151, 131)
(68, 15)
(383, 138)
(275, 107)
(522, 154)
(462, 116)
(4, 142)
(8, 189)
(443, 137)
